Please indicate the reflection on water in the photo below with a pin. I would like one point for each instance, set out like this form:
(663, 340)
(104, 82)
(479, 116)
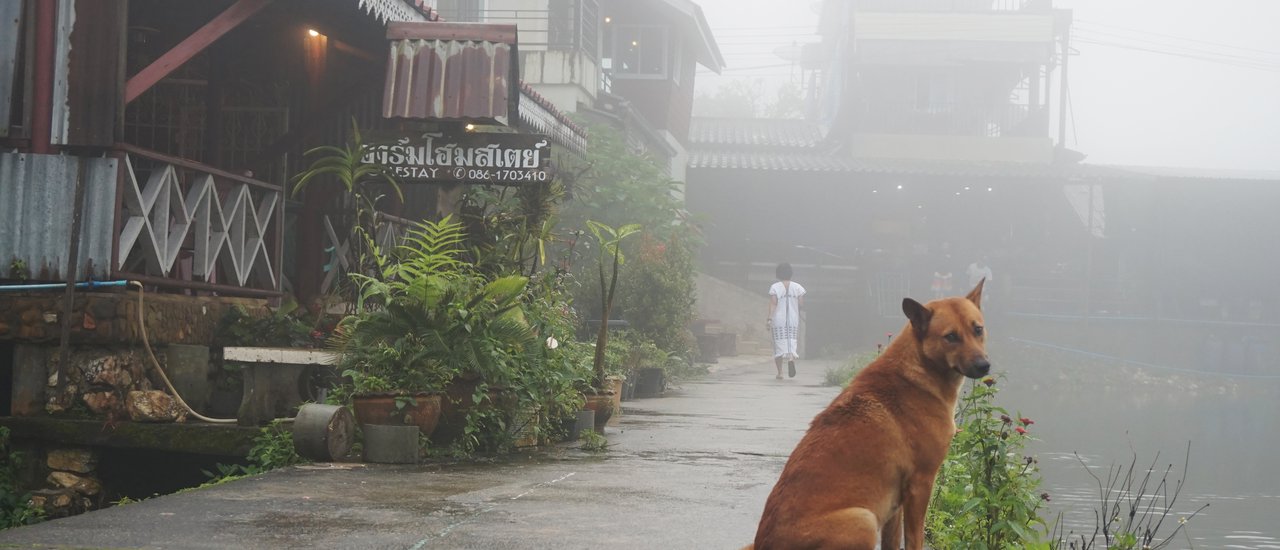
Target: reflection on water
(1112, 413)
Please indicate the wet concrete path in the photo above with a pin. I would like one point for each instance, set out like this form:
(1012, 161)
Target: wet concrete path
(688, 470)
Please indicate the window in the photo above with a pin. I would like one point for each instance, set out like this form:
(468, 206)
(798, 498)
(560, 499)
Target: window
(638, 51)
(462, 11)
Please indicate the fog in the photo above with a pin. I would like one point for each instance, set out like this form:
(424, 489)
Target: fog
(1133, 305)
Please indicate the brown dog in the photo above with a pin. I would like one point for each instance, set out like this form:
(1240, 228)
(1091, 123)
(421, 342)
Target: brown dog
(864, 472)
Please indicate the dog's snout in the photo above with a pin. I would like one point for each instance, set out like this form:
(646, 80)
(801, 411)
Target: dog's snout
(979, 367)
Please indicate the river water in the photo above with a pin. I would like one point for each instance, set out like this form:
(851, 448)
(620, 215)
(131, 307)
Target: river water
(1099, 415)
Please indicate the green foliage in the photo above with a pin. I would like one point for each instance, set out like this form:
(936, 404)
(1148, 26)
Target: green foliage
(610, 258)
(18, 269)
(987, 493)
(427, 317)
(272, 449)
(278, 327)
(841, 376)
(15, 507)
(657, 294)
(364, 182)
(593, 442)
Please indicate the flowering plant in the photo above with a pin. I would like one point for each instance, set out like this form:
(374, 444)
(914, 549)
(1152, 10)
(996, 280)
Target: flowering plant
(987, 493)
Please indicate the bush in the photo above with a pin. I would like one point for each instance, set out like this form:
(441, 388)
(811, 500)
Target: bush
(987, 493)
(843, 374)
(657, 294)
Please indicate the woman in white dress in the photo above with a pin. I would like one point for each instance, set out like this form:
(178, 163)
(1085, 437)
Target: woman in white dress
(786, 297)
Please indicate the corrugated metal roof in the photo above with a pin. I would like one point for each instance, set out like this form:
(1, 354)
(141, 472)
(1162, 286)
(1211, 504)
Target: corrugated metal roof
(460, 71)
(795, 161)
(36, 213)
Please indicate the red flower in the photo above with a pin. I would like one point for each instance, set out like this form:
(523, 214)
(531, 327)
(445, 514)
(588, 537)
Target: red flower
(1021, 430)
(989, 381)
(1005, 419)
(1045, 496)
(1026, 421)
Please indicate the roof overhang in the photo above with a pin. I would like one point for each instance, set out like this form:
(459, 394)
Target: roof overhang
(688, 16)
(452, 71)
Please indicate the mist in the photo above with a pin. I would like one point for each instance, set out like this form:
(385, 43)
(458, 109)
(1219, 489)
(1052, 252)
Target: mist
(1126, 216)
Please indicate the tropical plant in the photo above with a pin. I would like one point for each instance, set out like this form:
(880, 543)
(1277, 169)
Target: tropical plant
(364, 182)
(428, 317)
(987, 493)
(609, 257)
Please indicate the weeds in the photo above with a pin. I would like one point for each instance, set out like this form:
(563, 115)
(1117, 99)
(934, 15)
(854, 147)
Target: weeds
(1129, 517)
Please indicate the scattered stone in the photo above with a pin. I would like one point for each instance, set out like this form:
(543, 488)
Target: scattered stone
(151, 406)
(80, 461)
(83, 485)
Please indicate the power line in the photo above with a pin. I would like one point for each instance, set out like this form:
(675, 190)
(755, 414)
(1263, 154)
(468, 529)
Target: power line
(1259, 65)
(1219, 44)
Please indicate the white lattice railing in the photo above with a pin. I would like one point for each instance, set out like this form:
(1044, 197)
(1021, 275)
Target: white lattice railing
(184, 224)
(390, 232)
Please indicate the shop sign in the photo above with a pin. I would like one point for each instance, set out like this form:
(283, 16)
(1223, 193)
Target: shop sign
(499, 159)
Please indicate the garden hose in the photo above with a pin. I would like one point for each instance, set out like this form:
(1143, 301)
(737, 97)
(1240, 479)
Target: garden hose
(142, 329)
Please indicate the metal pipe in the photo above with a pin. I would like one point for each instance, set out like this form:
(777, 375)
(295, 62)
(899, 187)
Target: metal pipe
(60, 286)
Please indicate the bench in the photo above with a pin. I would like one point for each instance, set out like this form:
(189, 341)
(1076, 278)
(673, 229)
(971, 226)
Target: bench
(271, 380)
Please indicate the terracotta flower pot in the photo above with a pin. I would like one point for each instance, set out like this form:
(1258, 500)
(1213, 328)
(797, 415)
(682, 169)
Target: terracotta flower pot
(380, 409)
(459, 401)
(602, 403)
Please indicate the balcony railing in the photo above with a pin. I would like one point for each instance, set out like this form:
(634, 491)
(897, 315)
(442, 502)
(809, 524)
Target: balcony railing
(182, 224)
(566, 25)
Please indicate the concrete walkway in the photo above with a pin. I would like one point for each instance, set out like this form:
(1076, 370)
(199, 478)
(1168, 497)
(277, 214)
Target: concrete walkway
(689, 470)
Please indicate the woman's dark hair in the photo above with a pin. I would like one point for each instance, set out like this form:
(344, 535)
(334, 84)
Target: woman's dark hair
(783, 271)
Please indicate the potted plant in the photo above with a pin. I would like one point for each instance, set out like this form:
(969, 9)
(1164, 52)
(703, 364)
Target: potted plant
(426, 322)
(609, 259)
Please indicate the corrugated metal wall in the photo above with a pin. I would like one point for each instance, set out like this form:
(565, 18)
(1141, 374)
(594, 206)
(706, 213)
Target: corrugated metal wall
(37, 193)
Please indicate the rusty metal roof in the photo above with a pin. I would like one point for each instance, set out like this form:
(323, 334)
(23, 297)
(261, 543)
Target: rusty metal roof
(452, 71)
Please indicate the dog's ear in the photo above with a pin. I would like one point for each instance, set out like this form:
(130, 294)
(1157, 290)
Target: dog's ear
(919, 316)
(975, 295)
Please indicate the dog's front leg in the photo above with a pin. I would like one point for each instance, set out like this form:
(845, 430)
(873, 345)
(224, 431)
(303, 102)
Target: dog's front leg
(915, 503)
(891, 532)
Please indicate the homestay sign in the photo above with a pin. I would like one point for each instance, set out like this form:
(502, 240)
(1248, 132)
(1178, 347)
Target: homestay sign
(500, 159)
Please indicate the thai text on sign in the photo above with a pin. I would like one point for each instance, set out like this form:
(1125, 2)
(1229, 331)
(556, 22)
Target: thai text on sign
(470, 158)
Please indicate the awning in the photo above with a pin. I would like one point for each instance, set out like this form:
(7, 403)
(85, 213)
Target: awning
(452, 71)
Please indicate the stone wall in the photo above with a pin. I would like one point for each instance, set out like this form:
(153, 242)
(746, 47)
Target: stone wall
(72, 486)
(112, 317)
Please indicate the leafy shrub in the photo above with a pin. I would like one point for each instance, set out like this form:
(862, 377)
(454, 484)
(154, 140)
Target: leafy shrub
(841, 376)
(657, 294)
(987, 493)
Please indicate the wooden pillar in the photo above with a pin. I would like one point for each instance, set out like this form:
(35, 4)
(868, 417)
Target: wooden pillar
(310, 227)
(42, 74)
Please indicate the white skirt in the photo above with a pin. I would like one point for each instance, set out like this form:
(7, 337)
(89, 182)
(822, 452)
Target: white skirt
(785, 342)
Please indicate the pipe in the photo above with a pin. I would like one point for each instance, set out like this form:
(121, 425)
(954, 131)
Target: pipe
(42, 73)
(60, 286)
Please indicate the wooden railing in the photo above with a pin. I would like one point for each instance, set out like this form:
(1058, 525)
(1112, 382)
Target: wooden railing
(389, 234)
(182, 224)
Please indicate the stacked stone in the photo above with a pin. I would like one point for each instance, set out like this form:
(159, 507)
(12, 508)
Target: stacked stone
(74, 487)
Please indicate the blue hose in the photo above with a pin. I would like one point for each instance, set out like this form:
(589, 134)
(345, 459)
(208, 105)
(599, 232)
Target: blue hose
(60, 286)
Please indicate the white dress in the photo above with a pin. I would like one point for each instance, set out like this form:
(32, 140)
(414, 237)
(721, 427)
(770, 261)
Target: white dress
(786, 318)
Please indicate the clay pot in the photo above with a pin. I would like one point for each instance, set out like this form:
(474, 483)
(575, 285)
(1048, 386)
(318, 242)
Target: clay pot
(380, 409)
(602, 403)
